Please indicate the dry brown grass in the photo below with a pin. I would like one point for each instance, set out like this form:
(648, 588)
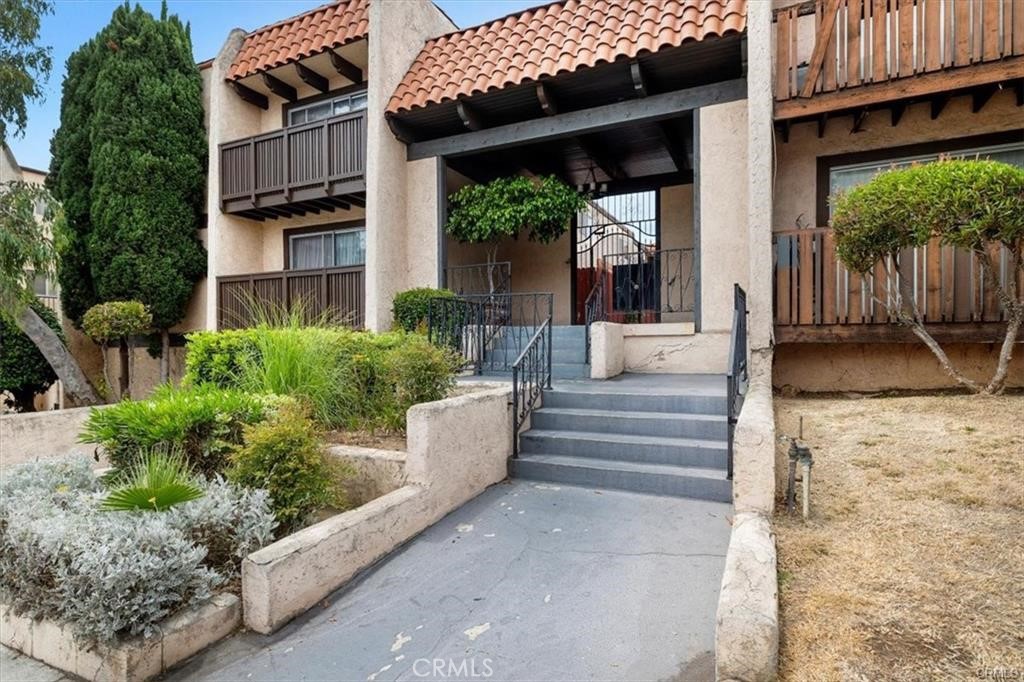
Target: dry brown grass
(912, 566)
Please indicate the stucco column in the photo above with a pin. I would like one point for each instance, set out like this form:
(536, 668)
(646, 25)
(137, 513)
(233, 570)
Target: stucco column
(398, 30)
(759, 165)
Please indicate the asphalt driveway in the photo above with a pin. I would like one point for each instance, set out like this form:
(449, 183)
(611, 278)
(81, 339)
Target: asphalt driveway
(528, 581)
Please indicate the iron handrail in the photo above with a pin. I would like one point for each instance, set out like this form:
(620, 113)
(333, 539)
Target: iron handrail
(531, 374)
(737, 377)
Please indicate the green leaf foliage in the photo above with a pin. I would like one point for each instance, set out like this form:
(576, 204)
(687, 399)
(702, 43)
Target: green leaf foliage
(26, 249)
(143, 163)
(410, 308)
(24, 372)
(505, 207)
(24, 65)
(969, 204)
(284, 456)
(106, 322)
(160, 479)
(205, 421)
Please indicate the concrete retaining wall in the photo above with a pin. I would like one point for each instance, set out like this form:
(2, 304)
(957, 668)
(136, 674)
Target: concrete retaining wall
(43, 435)
(666, 348)
(457, 447)
(177, 638)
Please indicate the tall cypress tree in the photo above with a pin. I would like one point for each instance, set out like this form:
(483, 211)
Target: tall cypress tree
(146, 164)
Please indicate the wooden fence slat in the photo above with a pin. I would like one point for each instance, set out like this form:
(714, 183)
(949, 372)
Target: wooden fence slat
(784, 59)
(853, 13)
(829, 66)
(962, 33)
(805, 289)
(933, 280)
(879, 65)
(1017, 23)
(990, 35)
(828, 294)
(932, 36)
(905, 19)
(784, 270)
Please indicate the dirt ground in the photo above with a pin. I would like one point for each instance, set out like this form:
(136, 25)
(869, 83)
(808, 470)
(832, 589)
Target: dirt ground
(912, 566)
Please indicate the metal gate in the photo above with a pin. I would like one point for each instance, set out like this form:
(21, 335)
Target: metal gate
(604, 233)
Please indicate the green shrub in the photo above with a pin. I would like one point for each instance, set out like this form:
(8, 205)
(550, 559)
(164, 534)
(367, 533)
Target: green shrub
(346, 378)
(205, 421)
(218, 357)
(159, 480)
(284, 456)
(106, 322)
(24, 372)
(411, 308)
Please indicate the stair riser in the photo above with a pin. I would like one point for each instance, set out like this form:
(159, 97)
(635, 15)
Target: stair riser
(646, 453)
(641, 482)
(675, 427)
(570, 371)
(557, 354)
(693, 404)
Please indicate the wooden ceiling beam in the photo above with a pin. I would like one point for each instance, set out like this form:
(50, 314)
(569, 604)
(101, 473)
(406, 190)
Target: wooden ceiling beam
(279, 87)
(675, 145)
(469, 116)
(311, 77)
(548, 103)
(249, 95)
(896, 112)
(858, 120)
(345, 67)
(939, 103)
(981, 96)
(636, 73)
(608, 165)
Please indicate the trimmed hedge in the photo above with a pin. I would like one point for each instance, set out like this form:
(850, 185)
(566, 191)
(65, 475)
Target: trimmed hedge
(411, 308)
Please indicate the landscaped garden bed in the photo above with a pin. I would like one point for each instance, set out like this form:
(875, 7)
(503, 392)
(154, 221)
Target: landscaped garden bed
(910, 565)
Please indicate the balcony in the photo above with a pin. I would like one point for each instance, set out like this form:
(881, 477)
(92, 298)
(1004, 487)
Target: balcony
(818, 300)
(834, 55)
(337, 294)
(306, 168)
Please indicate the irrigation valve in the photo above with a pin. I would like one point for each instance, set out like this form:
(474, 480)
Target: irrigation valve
(799, 454)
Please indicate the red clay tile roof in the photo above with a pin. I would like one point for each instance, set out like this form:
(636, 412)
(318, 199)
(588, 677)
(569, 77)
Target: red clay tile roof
(338, 23)
(557, 38)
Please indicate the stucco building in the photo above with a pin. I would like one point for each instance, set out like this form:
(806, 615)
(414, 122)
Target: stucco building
(708, 136)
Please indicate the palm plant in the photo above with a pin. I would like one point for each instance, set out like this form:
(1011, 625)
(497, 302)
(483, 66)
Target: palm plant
(160, 479)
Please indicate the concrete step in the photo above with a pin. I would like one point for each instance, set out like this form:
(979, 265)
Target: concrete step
(696, 452)
(584, 398)
(677, 481)
(660, 424)
(569, 370)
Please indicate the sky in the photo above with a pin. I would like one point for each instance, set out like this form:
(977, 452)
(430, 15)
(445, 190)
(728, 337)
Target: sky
(75, 21)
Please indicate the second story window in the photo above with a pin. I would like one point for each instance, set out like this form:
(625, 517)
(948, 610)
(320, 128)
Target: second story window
(329, 249)
(335, 106)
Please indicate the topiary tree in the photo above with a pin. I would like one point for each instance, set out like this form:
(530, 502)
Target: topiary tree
(118, 321)
(411, 308)
(24, 372)
(503, 208)
(138, 94)
(974, 205)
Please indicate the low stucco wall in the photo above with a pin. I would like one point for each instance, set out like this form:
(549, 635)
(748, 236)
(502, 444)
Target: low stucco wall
(457, 448)
(747, 624)
(375, 472)
(607, 350)
(885, 366)
(43, 435)
(674, 348)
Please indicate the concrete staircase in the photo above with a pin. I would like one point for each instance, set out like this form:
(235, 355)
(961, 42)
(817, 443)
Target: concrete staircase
(568, 351)
(662, 434)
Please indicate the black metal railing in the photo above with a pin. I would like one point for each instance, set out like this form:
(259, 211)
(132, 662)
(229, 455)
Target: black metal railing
(531, 374)
(479, 278)
(738, 377)
(594, 308)
(649, 286)
(490, 330)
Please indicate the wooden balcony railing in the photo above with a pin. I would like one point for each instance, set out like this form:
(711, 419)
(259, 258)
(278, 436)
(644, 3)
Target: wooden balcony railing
(862, 42)
(335, 293)
(816, 297)
(297, 164)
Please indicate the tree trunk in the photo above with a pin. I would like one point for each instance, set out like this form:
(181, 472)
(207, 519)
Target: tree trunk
(165, 356)
(998, 382)
(125, 377)
(76, 385)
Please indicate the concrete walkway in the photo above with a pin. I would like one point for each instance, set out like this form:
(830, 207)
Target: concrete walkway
(526, 582)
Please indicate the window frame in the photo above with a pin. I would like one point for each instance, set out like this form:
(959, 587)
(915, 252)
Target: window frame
(347, 91)
(313, 230)
(826, 164)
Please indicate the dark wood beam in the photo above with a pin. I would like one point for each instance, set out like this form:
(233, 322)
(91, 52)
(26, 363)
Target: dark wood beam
(943, 332)
(859, 117)
(896, 112)
(1019, 87)
(312, 78)
(783, 129)
(548, 104)
(340, 203)
(279, 87)
(345, 67)
(939, 103)
(822, 124)
(639, 82)
(980, 97)
(469, 115)
(249, 95)
(584, 122)
(675, 145)
(354, 200)
(823, 32)
(601, 159)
